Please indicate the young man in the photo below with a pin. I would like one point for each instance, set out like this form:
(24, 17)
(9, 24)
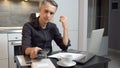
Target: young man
(38, 35)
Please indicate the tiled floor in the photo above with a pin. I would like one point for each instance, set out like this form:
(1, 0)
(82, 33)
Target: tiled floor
(115, 59)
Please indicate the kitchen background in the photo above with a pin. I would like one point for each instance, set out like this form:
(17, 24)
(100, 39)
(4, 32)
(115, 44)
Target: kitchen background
(16, 12)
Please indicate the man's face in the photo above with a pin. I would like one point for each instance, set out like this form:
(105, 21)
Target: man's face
(47, 12)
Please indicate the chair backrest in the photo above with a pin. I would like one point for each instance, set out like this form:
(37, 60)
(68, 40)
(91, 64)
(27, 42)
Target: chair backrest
(95, 41)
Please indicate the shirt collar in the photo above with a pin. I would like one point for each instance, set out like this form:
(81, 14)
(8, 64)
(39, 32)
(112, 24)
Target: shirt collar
(36, 24)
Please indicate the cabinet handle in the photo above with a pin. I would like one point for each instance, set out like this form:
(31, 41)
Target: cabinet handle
(16, 43)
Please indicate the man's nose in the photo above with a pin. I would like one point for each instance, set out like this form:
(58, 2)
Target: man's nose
(48, 15)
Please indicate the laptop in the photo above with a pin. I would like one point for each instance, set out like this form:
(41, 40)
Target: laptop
(93, 45)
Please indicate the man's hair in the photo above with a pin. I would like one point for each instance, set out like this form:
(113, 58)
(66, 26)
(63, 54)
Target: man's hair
(52, 2)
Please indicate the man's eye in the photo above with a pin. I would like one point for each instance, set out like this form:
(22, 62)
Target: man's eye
(46, 11)
(51, 13)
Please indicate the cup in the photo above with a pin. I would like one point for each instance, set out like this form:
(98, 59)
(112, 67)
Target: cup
(67, 59)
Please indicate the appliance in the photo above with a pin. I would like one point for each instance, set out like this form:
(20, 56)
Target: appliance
(14, 47)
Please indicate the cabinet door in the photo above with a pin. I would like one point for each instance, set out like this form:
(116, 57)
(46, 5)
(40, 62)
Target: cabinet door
(4, 63)
(3, 46)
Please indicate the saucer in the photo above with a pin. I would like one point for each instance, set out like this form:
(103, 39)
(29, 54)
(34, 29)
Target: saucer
(70, 64)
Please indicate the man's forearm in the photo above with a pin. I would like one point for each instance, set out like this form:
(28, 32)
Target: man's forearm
(65, 36)
(64, 21)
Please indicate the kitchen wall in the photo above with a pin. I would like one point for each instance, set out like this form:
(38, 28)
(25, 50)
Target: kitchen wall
(15, 12)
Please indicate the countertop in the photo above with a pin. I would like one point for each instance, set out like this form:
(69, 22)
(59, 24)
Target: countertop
(10, 29)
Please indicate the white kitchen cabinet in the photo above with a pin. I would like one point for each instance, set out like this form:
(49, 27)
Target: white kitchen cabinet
(3, 63)
(3, 51)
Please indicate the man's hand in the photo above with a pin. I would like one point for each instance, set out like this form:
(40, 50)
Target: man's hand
(33, 52)
(64, 21)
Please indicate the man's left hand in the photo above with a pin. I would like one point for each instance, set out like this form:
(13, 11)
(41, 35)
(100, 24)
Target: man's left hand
(64, 21)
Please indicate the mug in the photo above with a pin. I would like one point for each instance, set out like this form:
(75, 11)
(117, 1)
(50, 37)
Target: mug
(67, 59)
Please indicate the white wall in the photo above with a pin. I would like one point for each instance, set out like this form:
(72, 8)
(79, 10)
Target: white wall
(76, 11)
(70, 9)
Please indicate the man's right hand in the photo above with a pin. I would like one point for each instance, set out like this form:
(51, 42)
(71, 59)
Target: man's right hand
(32, 52)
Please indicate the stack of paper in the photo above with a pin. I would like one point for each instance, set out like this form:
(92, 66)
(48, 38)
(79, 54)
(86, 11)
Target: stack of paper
(44, 63)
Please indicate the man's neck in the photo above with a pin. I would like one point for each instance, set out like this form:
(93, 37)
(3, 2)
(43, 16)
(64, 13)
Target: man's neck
(41, 24)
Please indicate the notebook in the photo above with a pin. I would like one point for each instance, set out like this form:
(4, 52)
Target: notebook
(93, 45)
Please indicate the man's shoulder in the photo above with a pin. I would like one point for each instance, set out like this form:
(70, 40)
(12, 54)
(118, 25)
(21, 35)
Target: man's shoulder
(28, 24)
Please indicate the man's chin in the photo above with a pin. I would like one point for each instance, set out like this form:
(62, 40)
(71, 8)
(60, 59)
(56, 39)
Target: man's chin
(46, 22)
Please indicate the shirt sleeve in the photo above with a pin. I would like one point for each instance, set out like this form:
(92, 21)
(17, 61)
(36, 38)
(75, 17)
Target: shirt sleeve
(59, 39)
(26, 37)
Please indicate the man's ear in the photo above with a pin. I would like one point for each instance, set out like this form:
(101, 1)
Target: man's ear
(39, 9)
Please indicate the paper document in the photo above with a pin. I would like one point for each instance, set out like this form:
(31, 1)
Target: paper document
(44, 63)
(75, 56)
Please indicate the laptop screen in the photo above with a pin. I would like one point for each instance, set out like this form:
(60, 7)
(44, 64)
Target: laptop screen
(95, 41)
